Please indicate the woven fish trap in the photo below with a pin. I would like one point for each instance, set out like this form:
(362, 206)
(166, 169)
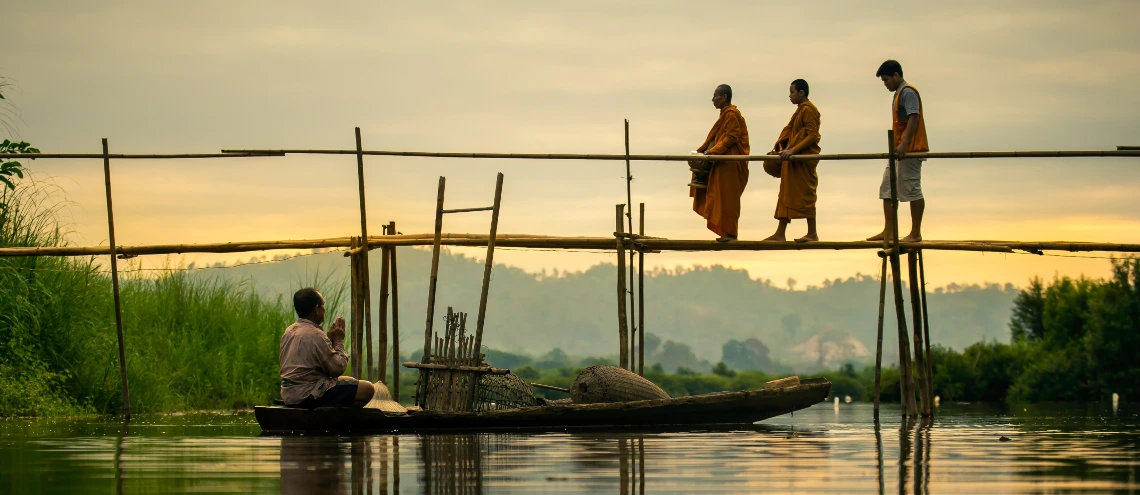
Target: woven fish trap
(599, 384)
(503, 392)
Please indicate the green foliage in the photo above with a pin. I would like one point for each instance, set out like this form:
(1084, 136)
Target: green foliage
(11, 169)
(723, 370)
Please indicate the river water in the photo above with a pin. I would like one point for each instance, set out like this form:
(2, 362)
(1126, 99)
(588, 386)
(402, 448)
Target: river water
(1051, 449)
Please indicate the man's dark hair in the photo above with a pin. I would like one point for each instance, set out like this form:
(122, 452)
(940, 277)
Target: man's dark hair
(889, 68)
(726, 90)
(801, 85)
(306, 300)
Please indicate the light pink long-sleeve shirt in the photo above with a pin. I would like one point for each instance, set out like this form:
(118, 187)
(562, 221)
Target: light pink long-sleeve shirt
(310, 362)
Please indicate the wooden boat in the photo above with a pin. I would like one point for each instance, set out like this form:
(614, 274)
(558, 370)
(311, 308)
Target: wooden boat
(725, 408)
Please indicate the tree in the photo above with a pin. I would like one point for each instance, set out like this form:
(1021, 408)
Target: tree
(750, 354)
(675, 355)
(723, 370)
(1027, 321)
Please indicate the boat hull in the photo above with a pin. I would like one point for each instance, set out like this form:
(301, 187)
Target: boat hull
(727, 408)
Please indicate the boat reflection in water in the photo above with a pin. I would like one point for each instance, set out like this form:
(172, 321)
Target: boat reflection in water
(328, 464)
(455, 463)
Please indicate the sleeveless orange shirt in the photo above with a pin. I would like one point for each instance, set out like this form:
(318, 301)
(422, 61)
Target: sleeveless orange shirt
(918, 142)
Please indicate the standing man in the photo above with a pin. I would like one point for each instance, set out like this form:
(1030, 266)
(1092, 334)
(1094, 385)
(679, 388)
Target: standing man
(798, 179)
(311, 362)
(910, 137)
(717, 198)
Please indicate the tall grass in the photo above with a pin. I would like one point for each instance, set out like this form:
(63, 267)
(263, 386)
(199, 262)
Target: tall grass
(192, 341)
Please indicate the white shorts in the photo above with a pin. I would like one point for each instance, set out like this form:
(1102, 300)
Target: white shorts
(909, 172)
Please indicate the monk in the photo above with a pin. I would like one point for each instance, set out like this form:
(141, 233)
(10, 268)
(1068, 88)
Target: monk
(798, 179)
(718, 200)
(910, 137)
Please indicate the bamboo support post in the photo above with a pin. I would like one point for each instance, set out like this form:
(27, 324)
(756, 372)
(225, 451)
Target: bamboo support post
(633, 327)
(356, 310)
(641, 296)
(906, 381)
(115, 285)
(919, 351)
(926, 327)
(879, 338)
(488, 266)
(382, 314)
(623, 330)
(420, 393)
(395, 388)
(365, 286)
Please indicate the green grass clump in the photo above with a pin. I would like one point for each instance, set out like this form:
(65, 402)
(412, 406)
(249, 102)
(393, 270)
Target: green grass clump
(193, 342)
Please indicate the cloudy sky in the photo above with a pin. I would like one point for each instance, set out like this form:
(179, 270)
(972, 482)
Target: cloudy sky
(561, 77)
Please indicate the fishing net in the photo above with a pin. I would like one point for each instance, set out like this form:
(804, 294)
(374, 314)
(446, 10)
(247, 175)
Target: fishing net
(503, 392)
(598, 384)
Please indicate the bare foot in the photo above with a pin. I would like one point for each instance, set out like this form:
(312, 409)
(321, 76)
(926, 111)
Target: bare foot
(809, 238)
(878, 237)
(727, 238)
(912, 238)
(775, 238)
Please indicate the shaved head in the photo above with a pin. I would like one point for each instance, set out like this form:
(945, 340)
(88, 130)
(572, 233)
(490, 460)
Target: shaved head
(725, 90)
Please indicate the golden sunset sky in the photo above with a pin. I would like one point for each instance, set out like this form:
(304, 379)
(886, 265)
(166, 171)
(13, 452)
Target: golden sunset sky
(560, 77)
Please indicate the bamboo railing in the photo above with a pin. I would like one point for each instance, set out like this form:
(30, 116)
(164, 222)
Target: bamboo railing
(528, 241)
(683, 158)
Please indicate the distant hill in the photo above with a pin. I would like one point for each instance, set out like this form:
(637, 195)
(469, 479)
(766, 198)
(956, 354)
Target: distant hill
(701, 307)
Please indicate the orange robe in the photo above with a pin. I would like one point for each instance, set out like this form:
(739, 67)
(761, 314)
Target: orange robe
(719, 204)
(798, 179)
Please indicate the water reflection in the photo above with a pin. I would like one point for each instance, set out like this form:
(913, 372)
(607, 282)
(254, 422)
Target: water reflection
(816, 451)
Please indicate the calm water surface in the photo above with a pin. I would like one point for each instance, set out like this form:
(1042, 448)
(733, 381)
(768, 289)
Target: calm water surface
(819, 450)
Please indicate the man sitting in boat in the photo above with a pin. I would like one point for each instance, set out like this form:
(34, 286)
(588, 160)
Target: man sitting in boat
(312, 362)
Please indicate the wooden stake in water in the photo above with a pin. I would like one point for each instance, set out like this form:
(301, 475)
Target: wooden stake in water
(629, 217)
(623, 330)
(924, 392)
(879, 339)
(906, 381)
(926, 327)
(365, 286)
(385, 275)
(395, 388)
(421, 392)
(641, 297)
(115, 285)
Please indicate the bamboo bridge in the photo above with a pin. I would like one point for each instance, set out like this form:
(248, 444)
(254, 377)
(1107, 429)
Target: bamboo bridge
(915, 380)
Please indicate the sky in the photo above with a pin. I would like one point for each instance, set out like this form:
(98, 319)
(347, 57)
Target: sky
(560, 77)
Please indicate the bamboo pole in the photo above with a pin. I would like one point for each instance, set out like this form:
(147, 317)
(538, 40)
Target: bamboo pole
(906, 383)
(395, 388)
(576, 243)
(382, 314)
(365, 285)
(1128, 148)
(629, 218)
(115, 284)
(684, 158)
(623, 331)
(484, 291)
(926, 328)
(135, 156)
(641, 296)
(356, 310)
(919, 352)
(421, 392)
(879, 339)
